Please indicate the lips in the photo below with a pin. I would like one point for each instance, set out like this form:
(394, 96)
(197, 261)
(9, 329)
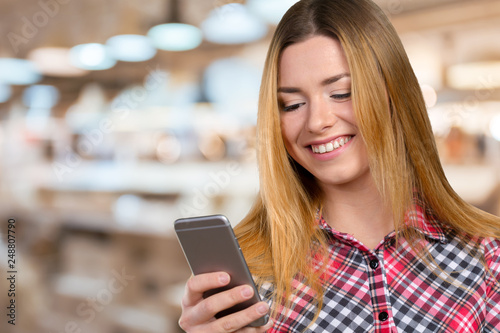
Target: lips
(331, 145)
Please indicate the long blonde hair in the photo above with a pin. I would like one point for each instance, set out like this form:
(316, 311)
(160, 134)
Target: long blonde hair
(279, 236)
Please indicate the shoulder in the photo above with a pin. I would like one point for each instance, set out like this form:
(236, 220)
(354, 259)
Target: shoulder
(479, 254)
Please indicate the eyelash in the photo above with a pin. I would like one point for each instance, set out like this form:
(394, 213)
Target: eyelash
(293, 107)
(341, 96)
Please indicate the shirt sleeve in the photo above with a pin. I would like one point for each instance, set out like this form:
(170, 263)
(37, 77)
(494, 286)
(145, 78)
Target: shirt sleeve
(492, 258)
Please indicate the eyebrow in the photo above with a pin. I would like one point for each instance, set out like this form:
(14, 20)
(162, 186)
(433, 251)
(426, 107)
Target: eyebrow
(325, 82)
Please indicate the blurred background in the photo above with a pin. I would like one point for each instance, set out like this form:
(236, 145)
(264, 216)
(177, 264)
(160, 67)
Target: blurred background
(119, 116)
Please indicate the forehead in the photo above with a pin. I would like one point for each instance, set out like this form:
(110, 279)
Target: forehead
(316, 56)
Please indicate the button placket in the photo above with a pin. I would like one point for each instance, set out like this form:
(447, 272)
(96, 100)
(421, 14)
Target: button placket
(381, 306)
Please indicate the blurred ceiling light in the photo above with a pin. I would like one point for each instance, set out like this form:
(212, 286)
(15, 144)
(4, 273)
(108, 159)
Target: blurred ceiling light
(476, 75)
(430, 95)
(133, 48)
(5, 92)
(92, 56)
(233, 24)
(18, 72)
(495, 127)
(270, 10)
(55, 61)
(175, 36)
(40, 96)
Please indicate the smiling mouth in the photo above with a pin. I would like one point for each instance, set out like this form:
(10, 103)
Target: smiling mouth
(331, 146)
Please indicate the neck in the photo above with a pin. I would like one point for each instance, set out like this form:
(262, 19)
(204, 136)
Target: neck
(358, 210)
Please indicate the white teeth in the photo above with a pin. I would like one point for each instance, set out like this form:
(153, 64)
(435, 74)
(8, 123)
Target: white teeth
(330, 146)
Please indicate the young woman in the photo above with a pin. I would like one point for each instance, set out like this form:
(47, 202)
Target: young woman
(356, 228)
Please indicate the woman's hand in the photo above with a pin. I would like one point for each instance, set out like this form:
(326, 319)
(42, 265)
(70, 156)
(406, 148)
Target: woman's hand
(198, 313)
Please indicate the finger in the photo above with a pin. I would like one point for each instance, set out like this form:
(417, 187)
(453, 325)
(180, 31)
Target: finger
(261, 329)
(209, 307)
(198, 284)
(239, 320)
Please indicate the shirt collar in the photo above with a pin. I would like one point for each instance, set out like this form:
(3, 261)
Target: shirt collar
(419, 218)
(425, 222)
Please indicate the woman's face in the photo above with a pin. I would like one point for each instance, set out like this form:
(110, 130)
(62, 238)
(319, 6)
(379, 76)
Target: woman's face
(317, 118)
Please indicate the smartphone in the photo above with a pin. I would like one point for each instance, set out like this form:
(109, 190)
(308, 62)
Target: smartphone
(210, 245)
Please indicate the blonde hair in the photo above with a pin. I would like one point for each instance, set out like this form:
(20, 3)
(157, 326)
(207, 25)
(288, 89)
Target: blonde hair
(279, 236)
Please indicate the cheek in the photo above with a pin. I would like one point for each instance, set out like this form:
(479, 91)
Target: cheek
(348, 113)
(289, 138)
(288, 132)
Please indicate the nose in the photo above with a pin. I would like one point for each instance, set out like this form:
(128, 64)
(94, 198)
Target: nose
(321, 116)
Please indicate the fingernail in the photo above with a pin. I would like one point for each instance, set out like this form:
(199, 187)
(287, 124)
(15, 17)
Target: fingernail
(224, 278)
(262, 309)
(247, 292)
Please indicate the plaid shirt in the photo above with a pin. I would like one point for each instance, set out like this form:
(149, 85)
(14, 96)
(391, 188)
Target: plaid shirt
(388, 289)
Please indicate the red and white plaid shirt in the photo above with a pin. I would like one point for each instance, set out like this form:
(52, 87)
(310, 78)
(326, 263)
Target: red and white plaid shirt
(389, 289)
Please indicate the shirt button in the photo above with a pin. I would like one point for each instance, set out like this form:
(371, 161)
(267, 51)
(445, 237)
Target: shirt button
(374, 264)
(383, 316)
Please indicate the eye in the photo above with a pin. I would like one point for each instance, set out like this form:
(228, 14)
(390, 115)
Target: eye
(292, 107)
(341, 97)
